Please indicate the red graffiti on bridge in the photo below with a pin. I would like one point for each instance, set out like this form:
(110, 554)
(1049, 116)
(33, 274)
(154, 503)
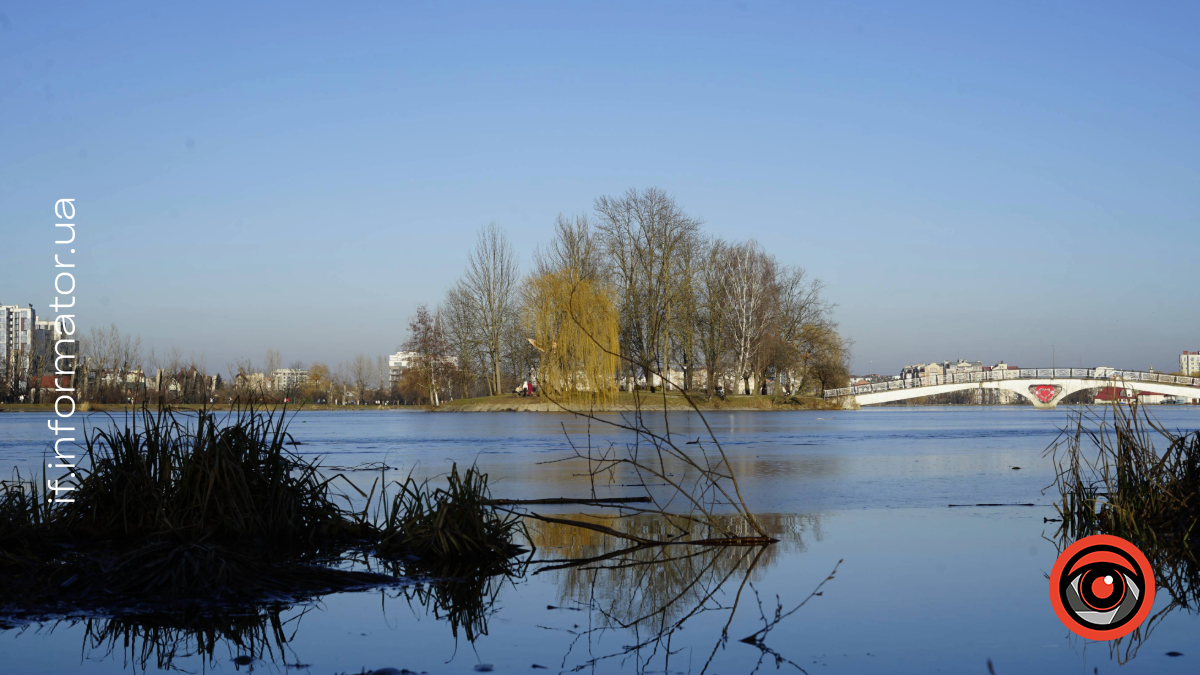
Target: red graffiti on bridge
(1045, 392)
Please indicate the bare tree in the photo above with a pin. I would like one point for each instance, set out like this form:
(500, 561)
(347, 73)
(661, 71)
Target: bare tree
(461, 330)
(427, 339)
(748, 299)
(272, 362)
(829, 363)
(361, 373)
(488, 292)
(239, 371)
(685, 315)
(573, 250)
(711, 330)
(804, 322)
(116, 359)
(642, 232)
(340, 379)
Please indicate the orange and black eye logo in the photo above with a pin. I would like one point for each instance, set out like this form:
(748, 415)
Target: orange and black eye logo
(1102, 587)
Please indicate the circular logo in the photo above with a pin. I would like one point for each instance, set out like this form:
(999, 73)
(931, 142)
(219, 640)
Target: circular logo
(1102, 587)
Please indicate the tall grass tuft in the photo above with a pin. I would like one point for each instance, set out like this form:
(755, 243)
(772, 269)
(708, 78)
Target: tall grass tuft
(175, 506)
(23, 511)
(229, 481)
(453, 523)
(1133, 478)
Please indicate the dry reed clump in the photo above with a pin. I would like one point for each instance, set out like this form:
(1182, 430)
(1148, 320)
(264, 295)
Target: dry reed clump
(1133, 478)
(231, 482)
(1119, 482)
(172, 506)
(22, 515)
(449, 524)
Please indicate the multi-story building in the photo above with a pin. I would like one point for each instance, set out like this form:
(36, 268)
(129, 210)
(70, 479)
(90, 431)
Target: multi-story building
(26, 342)
(253, 381)
(916, 372)
(17, 340)
(288, 379)
(402, 360)
(961, 367)
(1189, 362)
(398, 363)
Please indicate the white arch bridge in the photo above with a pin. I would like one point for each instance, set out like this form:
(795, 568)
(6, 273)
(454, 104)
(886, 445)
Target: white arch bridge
(1045, 387)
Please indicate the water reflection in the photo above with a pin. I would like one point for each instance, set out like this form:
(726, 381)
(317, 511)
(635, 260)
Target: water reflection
(631, 601)
(974, 584)
(1121, 473)
(653, 591)
(1176, 573)
(165, 639)
(600, 571)
(463, 595)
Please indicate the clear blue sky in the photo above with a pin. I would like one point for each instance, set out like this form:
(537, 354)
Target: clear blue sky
(980, 180)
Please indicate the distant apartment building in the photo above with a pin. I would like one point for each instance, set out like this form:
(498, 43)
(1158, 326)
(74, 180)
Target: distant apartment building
(939, 372)
(1189, 362)
(402, 360)
(25, 340)
(915, 372)
(287, 379)
(961, 367)
(253, 381)
(934, 373)
(16, 336)
(398, 363)
(910, 373)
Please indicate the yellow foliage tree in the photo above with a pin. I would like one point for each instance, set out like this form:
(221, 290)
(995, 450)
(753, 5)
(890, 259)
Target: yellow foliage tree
(316, 387)
(574, 324)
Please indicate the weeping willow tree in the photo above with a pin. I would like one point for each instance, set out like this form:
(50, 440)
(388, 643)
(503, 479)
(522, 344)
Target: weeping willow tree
(574, 326)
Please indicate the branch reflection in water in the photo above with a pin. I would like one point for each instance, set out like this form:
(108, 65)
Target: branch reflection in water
(653, 591)
(463, 595)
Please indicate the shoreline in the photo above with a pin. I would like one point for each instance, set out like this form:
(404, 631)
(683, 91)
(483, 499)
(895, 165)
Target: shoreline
(492, 404)
(507, 403)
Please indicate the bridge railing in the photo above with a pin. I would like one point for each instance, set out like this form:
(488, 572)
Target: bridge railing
(1108, 374)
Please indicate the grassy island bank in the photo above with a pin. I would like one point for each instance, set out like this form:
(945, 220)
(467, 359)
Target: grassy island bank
(625, 402)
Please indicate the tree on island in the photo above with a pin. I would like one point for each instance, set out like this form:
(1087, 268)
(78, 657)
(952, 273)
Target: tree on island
(574, 327)
(434, 358)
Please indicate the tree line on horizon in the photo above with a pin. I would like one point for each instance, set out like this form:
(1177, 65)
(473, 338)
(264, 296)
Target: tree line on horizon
(119, 370)
(620, 299)
(614, 300)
